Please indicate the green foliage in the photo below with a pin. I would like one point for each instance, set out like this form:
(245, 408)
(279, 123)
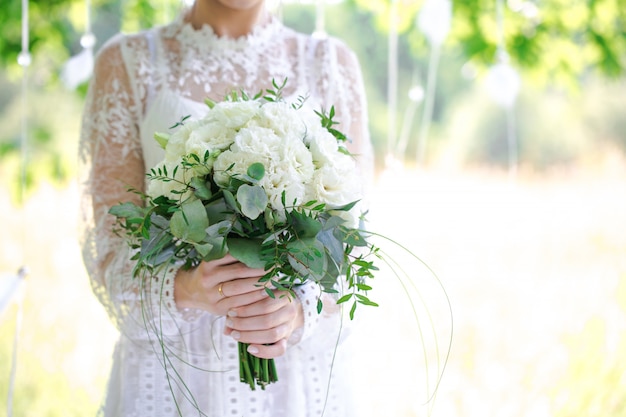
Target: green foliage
(552, 40)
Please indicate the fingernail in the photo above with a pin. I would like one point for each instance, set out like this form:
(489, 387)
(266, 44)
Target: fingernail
(253, 349)
(229, 323)
(232, 313)
(235, 335)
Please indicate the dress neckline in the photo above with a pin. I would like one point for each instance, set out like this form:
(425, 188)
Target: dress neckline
(262, 35)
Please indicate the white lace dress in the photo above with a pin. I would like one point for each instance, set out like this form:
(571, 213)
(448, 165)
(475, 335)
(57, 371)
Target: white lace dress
(145, 83)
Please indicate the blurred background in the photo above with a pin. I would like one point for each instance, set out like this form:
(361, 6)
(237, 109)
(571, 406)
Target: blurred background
(500, 136)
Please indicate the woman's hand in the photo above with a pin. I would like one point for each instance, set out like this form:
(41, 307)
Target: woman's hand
(229, 288)
(266, 324)
(218, 286)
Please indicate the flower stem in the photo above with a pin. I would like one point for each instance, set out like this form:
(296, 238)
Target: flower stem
(255, 371)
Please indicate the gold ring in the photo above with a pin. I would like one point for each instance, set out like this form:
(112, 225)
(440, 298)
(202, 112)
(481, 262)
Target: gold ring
(219, 289)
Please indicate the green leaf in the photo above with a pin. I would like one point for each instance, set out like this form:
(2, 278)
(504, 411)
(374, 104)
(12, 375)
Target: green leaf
(203, 249)
(252, 199)
(247, 251)
(220, 229)
(364, 300)
(218, 248)
(350, 236)
(303, 225)
(333, 246)
(346, 207)
(190, 222)
(128, 211)
(256, 171)
(210, 103)
(229, 198)
(344, 298)
(162, 139)
(303, 259)
(200, 188)
(352, 310)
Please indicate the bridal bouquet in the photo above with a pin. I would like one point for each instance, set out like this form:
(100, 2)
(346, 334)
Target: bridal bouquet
(266, 181)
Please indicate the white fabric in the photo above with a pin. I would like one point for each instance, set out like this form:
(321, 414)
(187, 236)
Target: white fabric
(145, 83)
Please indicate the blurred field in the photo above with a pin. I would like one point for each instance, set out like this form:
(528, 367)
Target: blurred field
(535, 270)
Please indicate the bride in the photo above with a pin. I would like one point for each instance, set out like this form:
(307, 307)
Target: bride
(177, 351)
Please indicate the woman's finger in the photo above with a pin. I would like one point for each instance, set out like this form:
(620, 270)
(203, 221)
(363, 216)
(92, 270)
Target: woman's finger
(226, 304)
(269, 351)
(237, 287)
(260, 337)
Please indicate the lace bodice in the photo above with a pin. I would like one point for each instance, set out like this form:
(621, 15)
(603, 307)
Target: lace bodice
(145, 83)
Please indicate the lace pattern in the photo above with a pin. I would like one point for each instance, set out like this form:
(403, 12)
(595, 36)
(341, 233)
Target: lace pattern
(131, 72)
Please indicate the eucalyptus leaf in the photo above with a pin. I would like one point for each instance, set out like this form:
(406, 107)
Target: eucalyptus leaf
(128, 211)
(200, 188)
(158, 249)
(219, 229)
(203, 249)
(350, 236)
(304, 225)
(256, 171)
(190, 222)
(218, 211)
(247, 251)
(333, 246)
(253, 200)
(218, 249)
(333, 221)
(229, 198)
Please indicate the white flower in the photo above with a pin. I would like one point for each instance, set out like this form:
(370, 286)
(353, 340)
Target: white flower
(210, 136)
(176, 145)
(158, 187)
(336, 185)
(323, 146)
(233, 115)
(283, 119)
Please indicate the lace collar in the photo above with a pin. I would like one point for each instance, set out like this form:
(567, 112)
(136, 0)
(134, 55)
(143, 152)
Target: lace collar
(262, 35)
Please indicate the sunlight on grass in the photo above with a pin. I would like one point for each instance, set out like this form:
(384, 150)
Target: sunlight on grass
(535, 271)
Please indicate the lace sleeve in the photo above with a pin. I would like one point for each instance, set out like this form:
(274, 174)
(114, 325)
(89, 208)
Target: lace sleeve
(111, 163)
